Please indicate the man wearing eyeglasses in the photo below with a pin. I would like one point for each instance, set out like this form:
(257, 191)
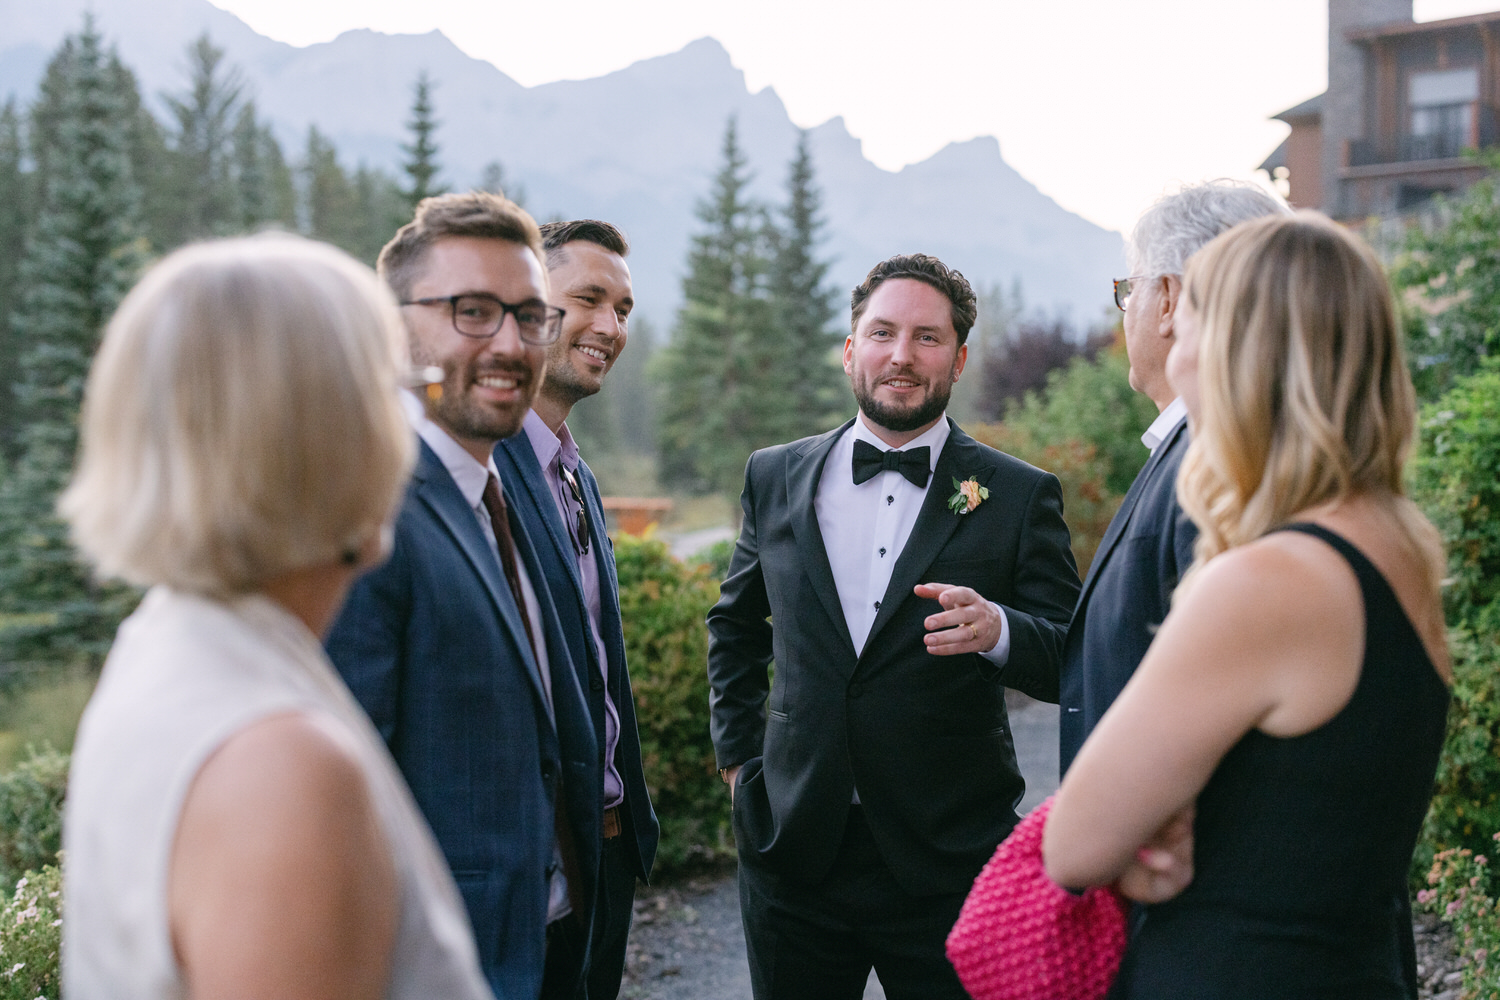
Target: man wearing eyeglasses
(454, 647)
(557, 499)
(1128, 589)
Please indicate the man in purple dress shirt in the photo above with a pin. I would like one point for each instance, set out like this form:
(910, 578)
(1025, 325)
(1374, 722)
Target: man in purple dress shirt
(557, 498)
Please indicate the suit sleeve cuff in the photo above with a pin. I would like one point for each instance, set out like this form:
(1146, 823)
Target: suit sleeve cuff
(1001, 651)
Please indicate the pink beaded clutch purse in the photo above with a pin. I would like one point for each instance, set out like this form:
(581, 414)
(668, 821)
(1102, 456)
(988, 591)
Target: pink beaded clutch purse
(1020, 936)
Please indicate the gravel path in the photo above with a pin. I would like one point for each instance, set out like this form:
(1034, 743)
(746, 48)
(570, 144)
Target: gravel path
(687, 942)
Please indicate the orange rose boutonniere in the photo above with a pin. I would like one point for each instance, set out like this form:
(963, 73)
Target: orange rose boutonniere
(970, 495)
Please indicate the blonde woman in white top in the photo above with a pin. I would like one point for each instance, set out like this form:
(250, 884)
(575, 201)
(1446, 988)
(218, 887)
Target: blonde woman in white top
(234, 826)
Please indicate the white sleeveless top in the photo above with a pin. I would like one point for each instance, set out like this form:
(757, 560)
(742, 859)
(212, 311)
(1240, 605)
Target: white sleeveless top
(185, 674)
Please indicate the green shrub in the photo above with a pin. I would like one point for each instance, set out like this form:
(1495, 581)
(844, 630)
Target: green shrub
(31, 937)
(1090, 402)
(1456, 479)
(663, 604)
(1088, 503)
(1466, 793)
(31, 799)
(715, 558)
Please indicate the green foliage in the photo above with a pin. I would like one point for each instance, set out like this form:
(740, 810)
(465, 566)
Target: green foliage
(1451, 270)
(715, 558)
(1088, 504)
(84, 251)
(1456, 479)
(1090, 402)
(1458, 894)
(265, 192)
(811, 393)
(31, 938)
(421, 166)
(31, 801)
(663, 605)
(14, 202)
(1466, 790)
(203, 160)
(753, 360)
(715, 387)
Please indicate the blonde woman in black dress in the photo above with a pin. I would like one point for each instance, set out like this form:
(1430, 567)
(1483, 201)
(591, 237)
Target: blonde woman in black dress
(1296, 695)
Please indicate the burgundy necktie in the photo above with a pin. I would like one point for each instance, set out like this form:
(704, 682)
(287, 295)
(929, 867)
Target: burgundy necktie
(494, 502)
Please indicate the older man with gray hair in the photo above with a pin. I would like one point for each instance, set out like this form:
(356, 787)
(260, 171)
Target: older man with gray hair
(1149, 543)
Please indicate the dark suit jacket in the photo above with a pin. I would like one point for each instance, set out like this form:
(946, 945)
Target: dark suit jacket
(533, 503)
(432, 645)
(1126, 595)
(925, 738)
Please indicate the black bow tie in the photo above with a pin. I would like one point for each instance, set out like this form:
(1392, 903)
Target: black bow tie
(914, 463)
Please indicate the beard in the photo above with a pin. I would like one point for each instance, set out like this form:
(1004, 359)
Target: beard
(458, 411)
(896, 417)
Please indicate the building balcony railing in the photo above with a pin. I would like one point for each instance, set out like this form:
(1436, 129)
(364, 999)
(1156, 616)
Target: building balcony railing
(1440, 144)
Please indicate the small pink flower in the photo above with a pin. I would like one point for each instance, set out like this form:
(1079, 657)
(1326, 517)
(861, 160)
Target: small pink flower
(1424, 896)
(1452, 908)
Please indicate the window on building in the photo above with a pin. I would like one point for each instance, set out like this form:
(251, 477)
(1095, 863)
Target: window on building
(1443, 104)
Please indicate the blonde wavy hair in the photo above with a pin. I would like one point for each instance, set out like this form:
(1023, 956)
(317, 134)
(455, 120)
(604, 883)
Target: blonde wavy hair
(1305, 393)
(241, 419)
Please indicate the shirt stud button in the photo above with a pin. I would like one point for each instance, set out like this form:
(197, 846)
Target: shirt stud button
(882, 552)
(877, 605)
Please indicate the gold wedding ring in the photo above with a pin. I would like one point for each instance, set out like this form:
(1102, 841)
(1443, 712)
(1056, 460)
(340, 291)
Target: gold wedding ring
(974, 632)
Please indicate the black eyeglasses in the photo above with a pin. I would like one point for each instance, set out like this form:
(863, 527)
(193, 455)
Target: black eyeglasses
(480, 315)
(1123, 288)
(581, 532)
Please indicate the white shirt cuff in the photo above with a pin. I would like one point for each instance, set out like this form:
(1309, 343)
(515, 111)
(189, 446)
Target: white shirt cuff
(1001, 651)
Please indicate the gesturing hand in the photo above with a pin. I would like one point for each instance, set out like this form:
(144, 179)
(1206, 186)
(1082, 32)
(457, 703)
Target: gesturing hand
(967, 624)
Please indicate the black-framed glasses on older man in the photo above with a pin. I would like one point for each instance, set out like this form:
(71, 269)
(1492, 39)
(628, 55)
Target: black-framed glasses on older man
(479, 315)
(1123, 288)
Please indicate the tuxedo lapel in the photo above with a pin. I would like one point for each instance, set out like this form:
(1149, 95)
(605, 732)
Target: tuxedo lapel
(441, 495)
(1121, 520)
(804, 469)
(961, 459)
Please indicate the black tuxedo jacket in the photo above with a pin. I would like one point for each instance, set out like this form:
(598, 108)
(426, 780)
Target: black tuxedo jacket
(432, 645)
(1127, 594)
(924, 738)
(532, 501)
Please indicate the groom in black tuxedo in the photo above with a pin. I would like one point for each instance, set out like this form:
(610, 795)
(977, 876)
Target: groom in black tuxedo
(902, 576)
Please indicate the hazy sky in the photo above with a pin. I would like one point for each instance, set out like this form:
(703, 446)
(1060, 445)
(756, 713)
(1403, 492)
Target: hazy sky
(1100, 103)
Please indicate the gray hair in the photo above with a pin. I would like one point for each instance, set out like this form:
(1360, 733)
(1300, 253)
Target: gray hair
(1178, 225)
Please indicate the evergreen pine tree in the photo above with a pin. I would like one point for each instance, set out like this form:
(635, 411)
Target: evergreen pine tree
(421, 166)
(381, 209)
(203, 155)
(83, 255)
(814, 393)
(717, 388)
(493, 180)
(14, 198)
(265, 193)
(330, 203)
(146, 143)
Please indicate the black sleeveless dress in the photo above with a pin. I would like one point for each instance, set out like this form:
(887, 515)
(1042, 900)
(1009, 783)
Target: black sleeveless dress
(1302, 845)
